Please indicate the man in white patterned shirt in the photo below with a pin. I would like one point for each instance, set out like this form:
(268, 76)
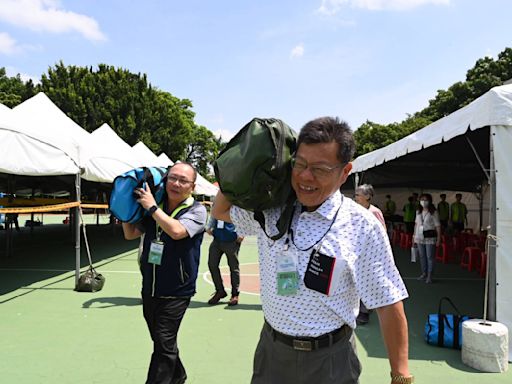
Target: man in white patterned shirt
(334, 254)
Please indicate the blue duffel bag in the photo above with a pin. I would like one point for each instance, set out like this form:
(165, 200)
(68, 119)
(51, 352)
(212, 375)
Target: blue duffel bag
(123, 203)
(445, 329)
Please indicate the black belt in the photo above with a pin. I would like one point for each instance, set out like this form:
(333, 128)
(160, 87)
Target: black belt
(308, 344)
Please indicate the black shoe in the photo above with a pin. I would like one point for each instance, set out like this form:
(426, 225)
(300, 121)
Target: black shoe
(217, 296)
(363, 318)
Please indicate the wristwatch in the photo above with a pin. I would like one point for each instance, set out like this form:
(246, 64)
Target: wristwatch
(399, 379)
(152, 209)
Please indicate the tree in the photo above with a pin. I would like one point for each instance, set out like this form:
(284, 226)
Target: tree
(13, 90)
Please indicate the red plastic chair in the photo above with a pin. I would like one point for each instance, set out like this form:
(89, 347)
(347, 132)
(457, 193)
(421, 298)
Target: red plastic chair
(443, 254)
(405, 240)
(470, 258)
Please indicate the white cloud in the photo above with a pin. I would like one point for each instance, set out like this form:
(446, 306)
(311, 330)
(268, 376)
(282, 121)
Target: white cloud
(331, 7)
(48, 16)
(8, 45)
(297, 51)
(225, 134)
(11, 72)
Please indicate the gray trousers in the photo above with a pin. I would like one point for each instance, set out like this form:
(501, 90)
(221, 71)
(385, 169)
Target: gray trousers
(278, 363)
(427, 257)
(217, 249)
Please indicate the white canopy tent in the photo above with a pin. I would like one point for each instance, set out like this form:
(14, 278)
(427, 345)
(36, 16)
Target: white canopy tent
(461, 151)
(34, 152)
(145, 154)
(109, 156)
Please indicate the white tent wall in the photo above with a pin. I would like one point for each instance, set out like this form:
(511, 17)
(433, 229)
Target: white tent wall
(502, 142)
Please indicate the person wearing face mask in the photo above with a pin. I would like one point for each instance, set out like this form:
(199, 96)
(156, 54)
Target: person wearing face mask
(427, 236)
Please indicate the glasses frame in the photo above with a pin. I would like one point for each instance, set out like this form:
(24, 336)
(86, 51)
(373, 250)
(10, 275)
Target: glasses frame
(181, 182)
(314, 169)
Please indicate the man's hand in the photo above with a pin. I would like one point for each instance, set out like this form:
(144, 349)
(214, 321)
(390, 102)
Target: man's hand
(221, 207)
(146, 198)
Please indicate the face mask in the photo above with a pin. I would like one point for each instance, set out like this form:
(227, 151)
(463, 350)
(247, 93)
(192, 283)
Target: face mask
(424, 203)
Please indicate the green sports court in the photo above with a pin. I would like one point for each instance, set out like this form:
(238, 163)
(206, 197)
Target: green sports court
(51, 334)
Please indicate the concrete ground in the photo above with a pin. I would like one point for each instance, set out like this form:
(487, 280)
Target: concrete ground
(52, 334)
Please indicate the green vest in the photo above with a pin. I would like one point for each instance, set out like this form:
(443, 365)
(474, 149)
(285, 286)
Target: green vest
(459, 212)
(409, 212)
(390, 207)
(443, 210)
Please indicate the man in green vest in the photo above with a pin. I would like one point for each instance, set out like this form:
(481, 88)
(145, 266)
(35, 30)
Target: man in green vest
(459, 214)
(443, 210)
(389, 209)
(410, 214)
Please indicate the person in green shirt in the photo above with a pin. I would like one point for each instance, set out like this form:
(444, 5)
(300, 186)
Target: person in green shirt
(459, 213)
(409, 214)
(443, 210)
(389, 209)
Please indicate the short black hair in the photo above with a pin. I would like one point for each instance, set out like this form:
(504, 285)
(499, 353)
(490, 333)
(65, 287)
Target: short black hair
(184, 163)
(327, 130)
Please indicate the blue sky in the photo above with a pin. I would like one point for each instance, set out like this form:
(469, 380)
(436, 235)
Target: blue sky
(290, 59)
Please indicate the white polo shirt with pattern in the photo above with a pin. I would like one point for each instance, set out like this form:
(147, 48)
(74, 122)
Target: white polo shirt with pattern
(344, 230)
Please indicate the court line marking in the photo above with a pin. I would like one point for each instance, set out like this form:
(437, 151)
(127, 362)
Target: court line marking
(206, 274)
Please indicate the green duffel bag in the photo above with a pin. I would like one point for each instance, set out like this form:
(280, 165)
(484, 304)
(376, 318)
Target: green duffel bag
(254, 170)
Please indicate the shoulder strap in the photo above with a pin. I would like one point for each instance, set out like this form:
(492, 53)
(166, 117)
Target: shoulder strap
(284, 221)
(449, 301)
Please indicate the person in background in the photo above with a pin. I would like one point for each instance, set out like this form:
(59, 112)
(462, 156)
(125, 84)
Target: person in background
(427, 236)
(169, 262)
(363, 196)
(409, 214)
(389, 210)
(334, 255)
(225, 241)
(458, 214)
(443, 210)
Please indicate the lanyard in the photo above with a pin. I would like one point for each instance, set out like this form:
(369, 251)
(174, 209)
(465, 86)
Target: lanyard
(290, 232)
(185, 204)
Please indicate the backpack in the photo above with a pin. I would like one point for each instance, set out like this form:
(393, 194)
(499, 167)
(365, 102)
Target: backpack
(254, 170)
(123, 203)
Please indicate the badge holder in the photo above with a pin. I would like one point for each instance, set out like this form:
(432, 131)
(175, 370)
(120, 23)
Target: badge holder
(287, 271)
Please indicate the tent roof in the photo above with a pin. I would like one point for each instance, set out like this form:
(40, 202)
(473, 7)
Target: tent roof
(441, 155)
(29, 148)
(145, 154)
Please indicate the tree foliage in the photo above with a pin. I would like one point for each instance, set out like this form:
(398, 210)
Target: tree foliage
(485, 74)
(13, 90)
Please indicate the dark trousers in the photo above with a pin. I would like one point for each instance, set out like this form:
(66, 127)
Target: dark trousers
(217, 249)
(163, 317)
(278, 363)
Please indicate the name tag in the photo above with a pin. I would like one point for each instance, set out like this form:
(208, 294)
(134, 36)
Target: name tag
(220, 224)
(322, 274)
(155, 252)
(287, 272)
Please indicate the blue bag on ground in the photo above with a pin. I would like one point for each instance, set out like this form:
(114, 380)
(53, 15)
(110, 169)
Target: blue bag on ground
(123, 204)
(445, 329)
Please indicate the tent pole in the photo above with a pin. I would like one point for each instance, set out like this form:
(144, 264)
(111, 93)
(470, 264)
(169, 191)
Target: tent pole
(491, 237)
(77, 230)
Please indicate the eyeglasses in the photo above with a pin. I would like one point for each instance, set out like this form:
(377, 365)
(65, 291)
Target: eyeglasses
(180, 181)
(319, 171)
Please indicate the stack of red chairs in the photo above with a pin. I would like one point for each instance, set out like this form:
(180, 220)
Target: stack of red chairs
(405, 240)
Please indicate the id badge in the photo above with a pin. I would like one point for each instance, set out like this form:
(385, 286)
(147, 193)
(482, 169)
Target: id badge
(155, 252)
(287, 273)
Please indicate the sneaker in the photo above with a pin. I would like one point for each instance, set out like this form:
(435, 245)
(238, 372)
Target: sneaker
(233, 301)
(422, 276)
(363, 318)
(217, 296)
(428, 280)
